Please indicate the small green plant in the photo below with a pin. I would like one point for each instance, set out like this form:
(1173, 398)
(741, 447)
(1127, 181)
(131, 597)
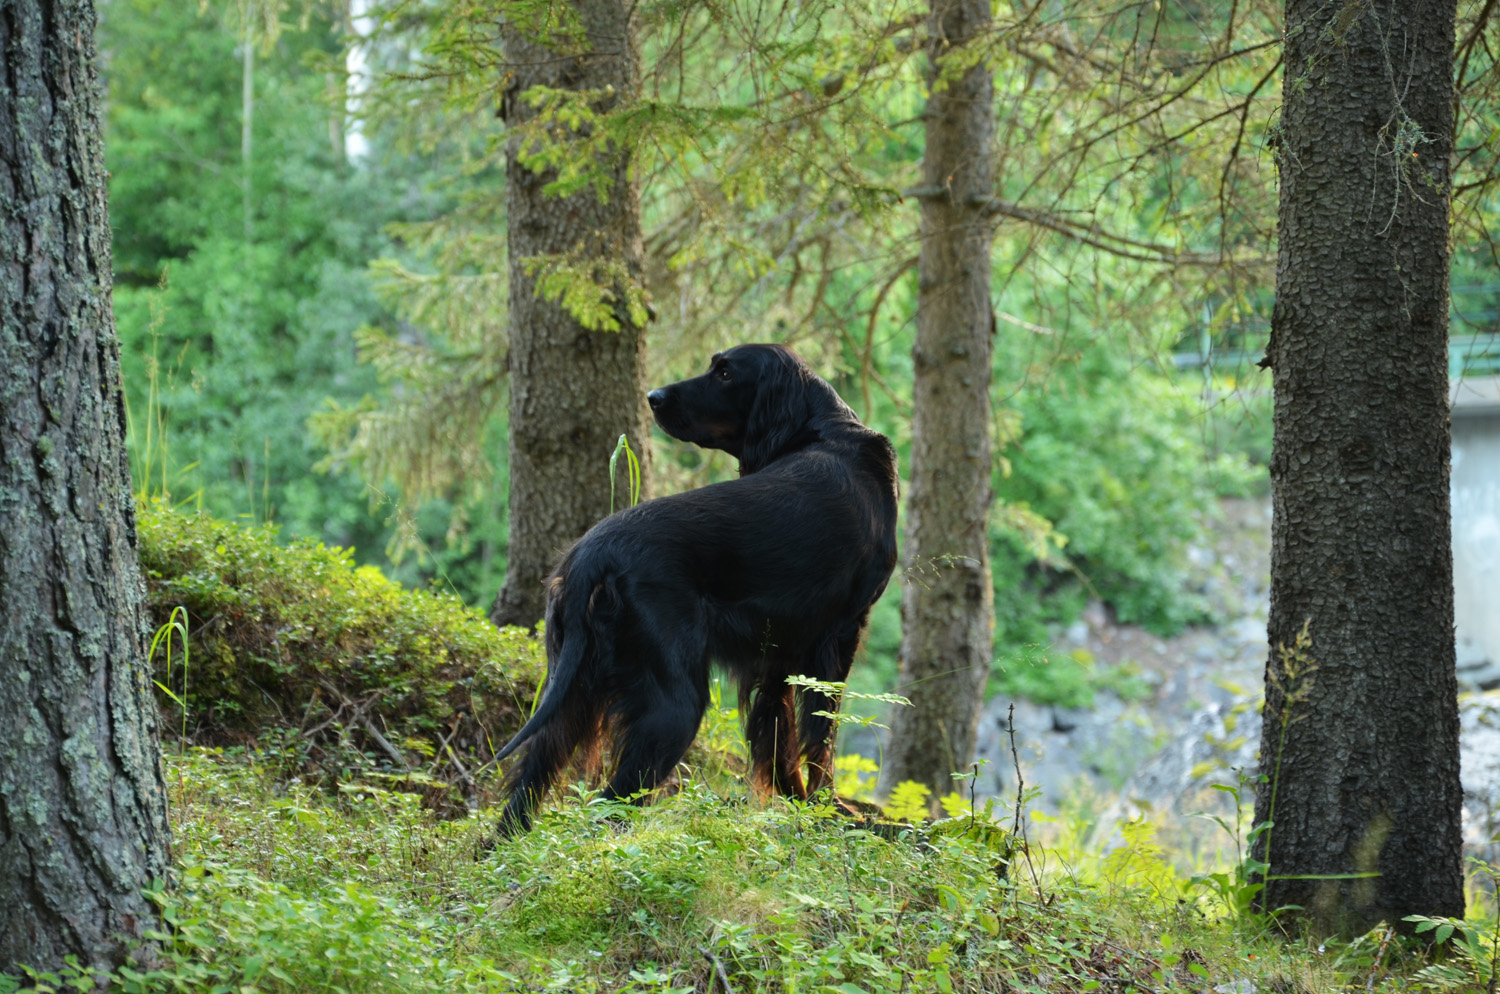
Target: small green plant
(909, 801)
(174, 630)
(633, 472)
(1237, 888)
(1474, 954)
(1474, 944)
(855, 776)
(1292, 675)
(837, 692)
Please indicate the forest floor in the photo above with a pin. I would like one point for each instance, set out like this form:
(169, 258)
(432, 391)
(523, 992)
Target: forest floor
(287, 887)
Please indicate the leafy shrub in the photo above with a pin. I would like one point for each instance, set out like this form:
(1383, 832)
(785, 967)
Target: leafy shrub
(345, 937)
(1066, 679)
(1113, 458)
(338, 667)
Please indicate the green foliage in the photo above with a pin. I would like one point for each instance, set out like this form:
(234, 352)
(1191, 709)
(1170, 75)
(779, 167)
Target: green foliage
(909, 801)
(350, 672)
(632, 472)
(238, 281)
(837, 692)
(566, 138)
(595, 291)
(1235, 890)
(346, 938)
(282, 889)
(1112, 457)
(1066, 679)
(1472, 945)
(855, 776)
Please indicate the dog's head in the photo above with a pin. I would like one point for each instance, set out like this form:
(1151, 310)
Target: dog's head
(755, 402)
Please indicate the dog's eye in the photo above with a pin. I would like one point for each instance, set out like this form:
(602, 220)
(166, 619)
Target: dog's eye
(723, 373)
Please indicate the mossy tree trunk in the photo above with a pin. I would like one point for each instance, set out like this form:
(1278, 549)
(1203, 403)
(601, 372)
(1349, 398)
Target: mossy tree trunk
(947, 608)
(573, 390)
(1368, 780)
(83, 823)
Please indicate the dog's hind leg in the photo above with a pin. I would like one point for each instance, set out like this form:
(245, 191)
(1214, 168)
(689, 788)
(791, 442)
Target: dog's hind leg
(654, 725)
(830, 662)
(776, 760)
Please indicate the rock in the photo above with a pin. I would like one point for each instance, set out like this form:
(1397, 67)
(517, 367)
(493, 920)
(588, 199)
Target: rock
(1061, 750)
(1247, 631)
(1219, 745)
(1476, 671)
(1236, 987)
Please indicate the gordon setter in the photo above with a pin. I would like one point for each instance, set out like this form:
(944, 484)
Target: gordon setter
(769, 575)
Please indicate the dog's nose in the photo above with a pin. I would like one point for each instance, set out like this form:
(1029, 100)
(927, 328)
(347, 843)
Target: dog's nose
(656, 398)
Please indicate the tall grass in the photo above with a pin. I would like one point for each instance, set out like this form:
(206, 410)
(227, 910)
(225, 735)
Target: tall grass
(152, 468)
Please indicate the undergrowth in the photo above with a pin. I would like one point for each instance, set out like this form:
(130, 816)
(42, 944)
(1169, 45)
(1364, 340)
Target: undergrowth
(337, 671)
(281, 887)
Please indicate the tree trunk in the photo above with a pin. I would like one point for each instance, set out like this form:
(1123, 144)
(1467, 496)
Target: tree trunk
(83, 824)
(947, 608)
(1367, 780)
(573, 391)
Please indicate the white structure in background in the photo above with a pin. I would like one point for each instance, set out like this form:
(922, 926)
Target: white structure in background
(1475, 490)
(356, 62)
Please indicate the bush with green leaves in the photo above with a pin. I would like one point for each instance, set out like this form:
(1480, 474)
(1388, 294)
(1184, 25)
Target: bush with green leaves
(1110, 453)
(1066, 679)
(333, 666)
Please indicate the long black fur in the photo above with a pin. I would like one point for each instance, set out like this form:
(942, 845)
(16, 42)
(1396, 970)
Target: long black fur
(769, 575)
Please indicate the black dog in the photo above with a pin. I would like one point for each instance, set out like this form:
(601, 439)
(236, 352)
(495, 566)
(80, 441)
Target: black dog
(769, 575)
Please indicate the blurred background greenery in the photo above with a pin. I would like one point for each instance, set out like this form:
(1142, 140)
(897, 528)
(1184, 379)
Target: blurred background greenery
(283, 286)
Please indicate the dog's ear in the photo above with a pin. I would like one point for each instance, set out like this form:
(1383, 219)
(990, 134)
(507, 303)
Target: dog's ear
(782, 409)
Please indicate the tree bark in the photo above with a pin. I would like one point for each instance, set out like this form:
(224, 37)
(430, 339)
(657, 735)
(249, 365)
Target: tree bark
(573, 391)
(947, 608)
(1367, 780)
(83, 823)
